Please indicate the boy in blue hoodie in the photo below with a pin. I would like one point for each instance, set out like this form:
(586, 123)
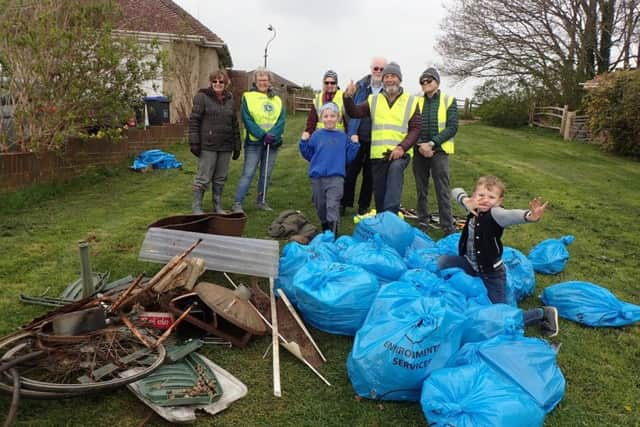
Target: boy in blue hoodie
(329, 151)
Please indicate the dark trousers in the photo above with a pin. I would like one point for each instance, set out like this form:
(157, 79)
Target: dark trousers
(326, 192)
(495, 282)
(360, 163)
(436, 167)
(388, 178)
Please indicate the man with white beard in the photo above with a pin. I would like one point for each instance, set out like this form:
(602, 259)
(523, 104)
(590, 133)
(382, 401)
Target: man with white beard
(360, 131)
(395, 127)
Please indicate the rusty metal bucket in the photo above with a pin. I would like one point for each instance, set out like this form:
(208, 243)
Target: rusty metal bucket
(223, 224)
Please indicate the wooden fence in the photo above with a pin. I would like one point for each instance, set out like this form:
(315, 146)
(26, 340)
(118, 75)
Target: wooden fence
(302, 104)
(466, 106)
(570, 125)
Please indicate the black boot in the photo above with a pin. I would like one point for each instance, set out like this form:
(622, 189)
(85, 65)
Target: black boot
(333, 226)
(325, 226)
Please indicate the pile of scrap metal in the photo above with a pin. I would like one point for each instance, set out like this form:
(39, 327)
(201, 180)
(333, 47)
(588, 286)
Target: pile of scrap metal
(144, 332)
(121, 337)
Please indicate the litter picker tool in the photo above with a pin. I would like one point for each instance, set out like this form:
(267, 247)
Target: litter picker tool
(266, 170)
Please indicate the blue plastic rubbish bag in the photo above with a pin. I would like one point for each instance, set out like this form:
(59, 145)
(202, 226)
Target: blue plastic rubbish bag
(488, 321)
(590, 304)
(421, 240)
(325, 241)
(474, 396)
(294, 257)
(343, 242)
(449, 245)
(334, 297)
(528, 362)
(157, 159)
(396, 349)
(393, 230)
(521, 279)
(431, 287)
(426, 258)
(471, 287)
(550, 256)
(376, 257)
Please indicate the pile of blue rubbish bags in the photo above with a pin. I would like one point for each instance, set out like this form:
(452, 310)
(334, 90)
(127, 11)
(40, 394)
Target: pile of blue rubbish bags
(433, 336)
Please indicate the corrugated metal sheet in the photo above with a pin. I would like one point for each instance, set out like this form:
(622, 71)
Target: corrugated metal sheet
(255, 257)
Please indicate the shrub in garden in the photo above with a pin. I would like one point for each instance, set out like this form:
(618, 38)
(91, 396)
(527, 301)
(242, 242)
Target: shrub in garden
(614, 111)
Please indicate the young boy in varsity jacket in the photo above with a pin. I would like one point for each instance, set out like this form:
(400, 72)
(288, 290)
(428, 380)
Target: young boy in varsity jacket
(480, 247)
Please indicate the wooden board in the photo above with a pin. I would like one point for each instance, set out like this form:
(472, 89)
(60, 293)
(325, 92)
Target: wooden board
(287, 325)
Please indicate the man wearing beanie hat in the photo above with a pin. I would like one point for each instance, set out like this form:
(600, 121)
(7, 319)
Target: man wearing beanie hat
(395, 127)
(392, 68)
(439, 116)
(330, 93)
(360, 131)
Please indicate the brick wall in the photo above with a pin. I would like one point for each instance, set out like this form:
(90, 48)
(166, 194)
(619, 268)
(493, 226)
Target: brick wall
(20, 170)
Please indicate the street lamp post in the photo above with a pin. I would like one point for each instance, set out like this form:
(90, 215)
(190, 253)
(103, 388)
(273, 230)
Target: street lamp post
(270, 28)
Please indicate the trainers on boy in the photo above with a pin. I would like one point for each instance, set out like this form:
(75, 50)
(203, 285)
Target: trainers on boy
(550, 325)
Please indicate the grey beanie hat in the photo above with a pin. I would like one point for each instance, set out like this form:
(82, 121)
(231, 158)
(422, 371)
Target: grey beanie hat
(392, 68)
(430, 72)
(331, 74)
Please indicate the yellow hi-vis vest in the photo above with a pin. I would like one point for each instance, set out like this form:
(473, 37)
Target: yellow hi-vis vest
(337, 99)
(389, 126)
(265, 110)
(445, 102)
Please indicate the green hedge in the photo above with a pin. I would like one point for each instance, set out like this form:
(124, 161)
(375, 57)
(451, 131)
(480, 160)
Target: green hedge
(503, 103)
(613, 107)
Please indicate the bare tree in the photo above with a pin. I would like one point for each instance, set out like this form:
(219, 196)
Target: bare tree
(552, 45)
(180, 65)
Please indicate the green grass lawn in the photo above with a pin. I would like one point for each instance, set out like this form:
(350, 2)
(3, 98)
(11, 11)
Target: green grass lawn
(594, 196)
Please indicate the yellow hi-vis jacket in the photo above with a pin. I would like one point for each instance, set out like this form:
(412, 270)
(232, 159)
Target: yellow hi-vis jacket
(389, 126)
(445, 102)
(265, 110)
(337, 99)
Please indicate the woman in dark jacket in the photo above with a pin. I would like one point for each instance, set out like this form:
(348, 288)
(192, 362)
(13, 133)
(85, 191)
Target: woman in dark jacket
(214, 135)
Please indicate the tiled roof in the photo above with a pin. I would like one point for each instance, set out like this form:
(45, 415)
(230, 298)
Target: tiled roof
(278, 80)
(161, 16)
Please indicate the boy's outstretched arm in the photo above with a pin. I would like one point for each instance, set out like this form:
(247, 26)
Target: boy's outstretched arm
(536, 209)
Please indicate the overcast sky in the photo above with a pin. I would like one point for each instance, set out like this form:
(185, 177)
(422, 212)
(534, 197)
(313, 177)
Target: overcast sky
(314, 36)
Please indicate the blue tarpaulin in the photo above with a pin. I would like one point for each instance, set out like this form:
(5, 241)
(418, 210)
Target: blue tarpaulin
(157, 159)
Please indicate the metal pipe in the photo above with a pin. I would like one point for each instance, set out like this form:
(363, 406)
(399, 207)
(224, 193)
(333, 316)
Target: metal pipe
(85, 270)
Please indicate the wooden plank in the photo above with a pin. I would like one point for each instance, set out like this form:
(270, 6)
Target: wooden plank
(277, 391)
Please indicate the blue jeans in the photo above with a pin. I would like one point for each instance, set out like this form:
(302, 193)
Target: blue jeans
(388, 178)
(254, 155)
(495, 282)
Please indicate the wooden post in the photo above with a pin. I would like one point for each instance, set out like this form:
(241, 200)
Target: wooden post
(467, 108)
(571, 117)
(563, 121)
(532, 112)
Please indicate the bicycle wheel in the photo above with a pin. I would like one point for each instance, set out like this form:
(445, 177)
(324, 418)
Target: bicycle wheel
(87, 364)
